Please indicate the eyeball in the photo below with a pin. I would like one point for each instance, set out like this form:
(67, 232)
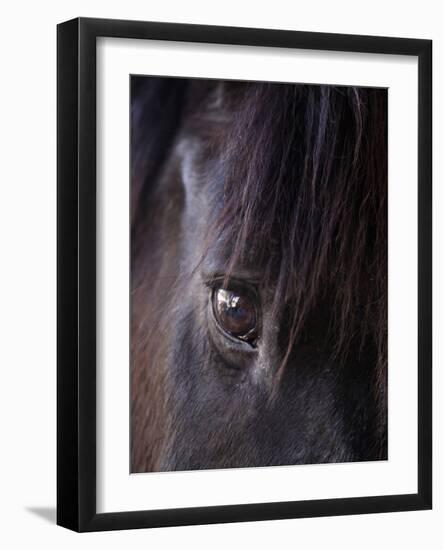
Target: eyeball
(235, 313)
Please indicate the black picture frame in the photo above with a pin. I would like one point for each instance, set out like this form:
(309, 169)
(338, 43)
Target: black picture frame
(76, 279)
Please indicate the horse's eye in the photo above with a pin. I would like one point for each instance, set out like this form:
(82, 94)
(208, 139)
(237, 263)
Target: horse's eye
(235, 313)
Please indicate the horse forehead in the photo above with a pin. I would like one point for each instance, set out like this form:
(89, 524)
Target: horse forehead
(198, 157)
(204, 171)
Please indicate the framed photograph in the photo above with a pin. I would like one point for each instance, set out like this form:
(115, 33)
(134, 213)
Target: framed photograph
(244, 274)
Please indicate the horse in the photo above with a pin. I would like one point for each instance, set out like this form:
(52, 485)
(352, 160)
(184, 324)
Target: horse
(258, 274)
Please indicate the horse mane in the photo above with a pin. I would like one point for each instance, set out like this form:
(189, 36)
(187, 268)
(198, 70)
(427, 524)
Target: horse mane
(305, 192)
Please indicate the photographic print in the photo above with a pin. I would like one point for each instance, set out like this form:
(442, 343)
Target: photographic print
(258, 274)
(225, 272)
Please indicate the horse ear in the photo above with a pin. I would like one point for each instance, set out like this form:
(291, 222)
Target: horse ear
(156, 112)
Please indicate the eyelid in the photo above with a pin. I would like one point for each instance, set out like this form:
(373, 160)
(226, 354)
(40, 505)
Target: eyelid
(233, 282)
(250, 276)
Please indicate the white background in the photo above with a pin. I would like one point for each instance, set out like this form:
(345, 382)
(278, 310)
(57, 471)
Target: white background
(27, 305)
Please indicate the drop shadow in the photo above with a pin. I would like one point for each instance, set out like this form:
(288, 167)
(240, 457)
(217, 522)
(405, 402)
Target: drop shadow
(45, 512)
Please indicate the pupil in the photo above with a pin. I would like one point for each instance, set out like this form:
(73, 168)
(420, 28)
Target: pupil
(235, 313)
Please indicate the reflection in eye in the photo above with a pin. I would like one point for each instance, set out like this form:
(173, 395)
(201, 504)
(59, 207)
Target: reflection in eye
(235, 313)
